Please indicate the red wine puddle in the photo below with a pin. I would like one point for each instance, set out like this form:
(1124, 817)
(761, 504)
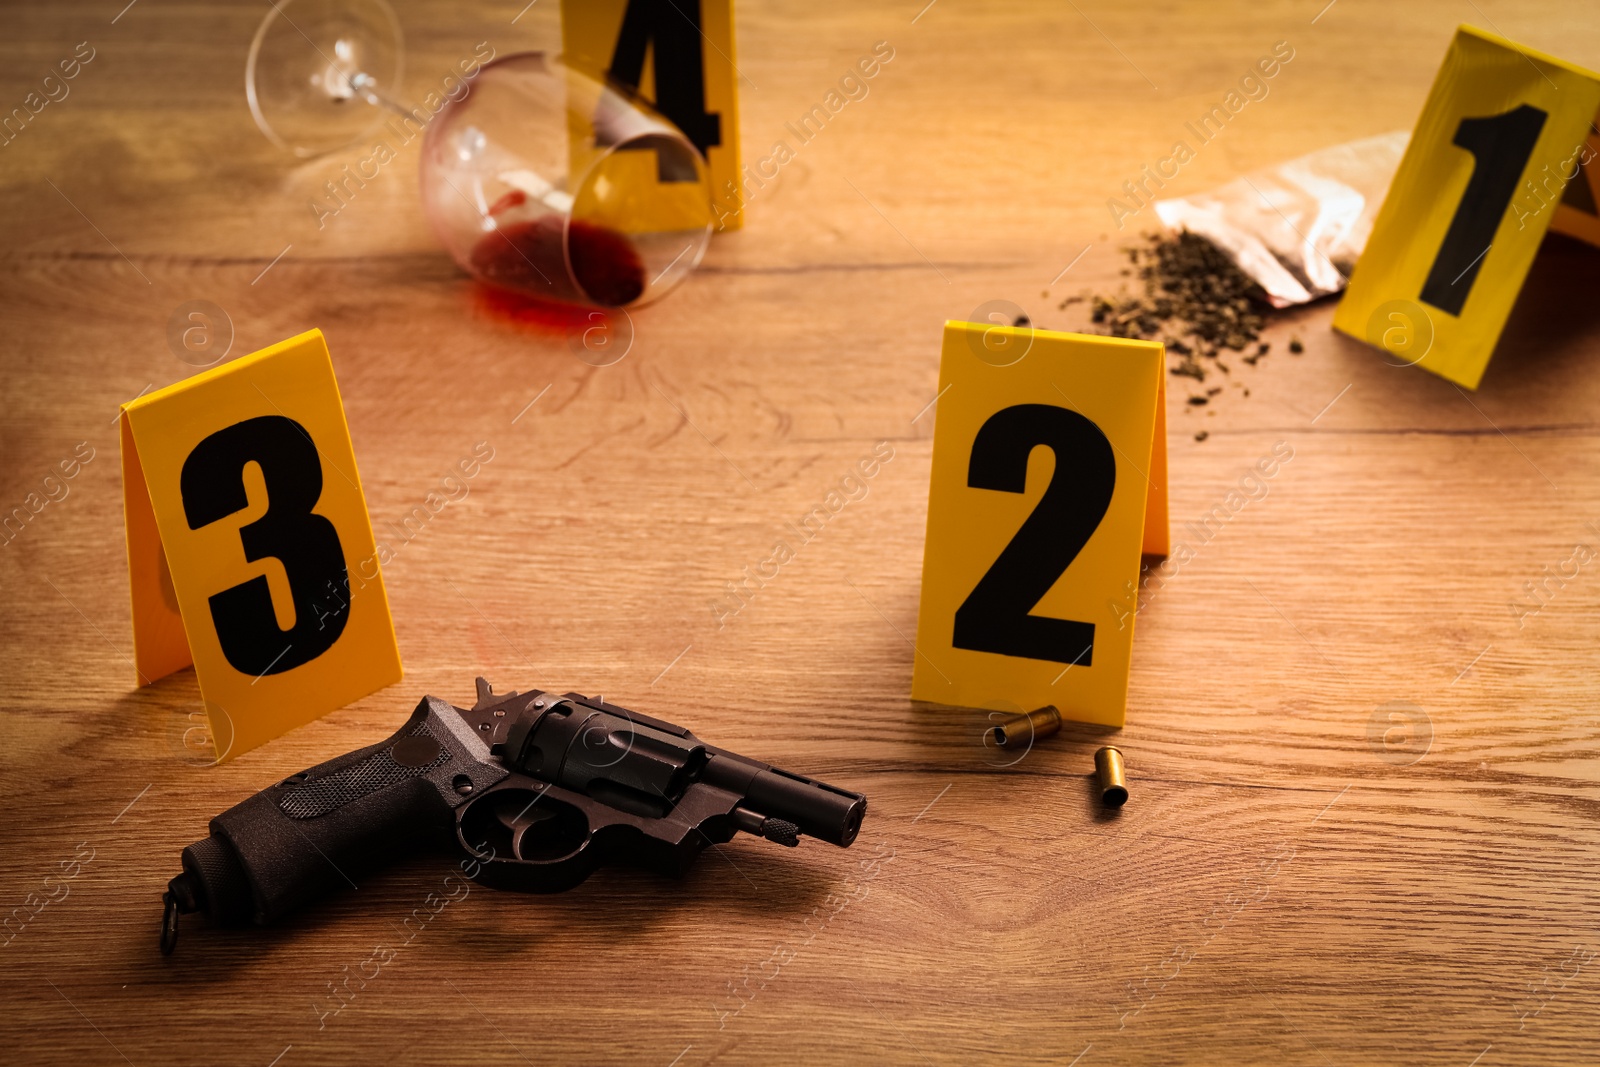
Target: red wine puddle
(526, 258)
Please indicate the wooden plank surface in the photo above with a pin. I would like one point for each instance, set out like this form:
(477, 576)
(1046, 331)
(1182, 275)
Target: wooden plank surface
(1288, 884)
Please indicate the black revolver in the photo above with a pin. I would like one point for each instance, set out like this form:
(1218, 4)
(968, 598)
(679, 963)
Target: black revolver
(538, 790)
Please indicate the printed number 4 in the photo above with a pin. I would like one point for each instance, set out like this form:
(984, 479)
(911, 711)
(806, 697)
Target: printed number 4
(1500, 146)
(306, 544)
(996, 616)
(672, 32)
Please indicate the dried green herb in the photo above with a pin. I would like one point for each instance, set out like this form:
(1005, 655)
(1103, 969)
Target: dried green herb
(1194, 300)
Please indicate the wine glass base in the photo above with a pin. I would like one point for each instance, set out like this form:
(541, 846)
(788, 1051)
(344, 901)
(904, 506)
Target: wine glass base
(313, 68)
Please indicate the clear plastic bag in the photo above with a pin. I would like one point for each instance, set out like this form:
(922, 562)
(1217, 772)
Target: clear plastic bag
(1296, 228)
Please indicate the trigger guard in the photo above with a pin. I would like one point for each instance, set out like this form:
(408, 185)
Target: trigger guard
(531, 837)
(506, 849)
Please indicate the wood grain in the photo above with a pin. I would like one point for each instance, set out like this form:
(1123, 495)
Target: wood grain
(1288, 884)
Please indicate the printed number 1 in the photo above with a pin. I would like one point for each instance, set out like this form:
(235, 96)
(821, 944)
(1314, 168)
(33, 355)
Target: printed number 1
(996, 615)
(1500, 146)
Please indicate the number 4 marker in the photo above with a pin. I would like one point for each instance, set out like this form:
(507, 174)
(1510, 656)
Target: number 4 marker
(679, 56)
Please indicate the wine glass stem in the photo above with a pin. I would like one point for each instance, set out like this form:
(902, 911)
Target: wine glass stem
(367, 86)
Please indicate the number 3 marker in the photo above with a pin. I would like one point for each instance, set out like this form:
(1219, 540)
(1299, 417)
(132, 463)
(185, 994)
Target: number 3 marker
(243, 479)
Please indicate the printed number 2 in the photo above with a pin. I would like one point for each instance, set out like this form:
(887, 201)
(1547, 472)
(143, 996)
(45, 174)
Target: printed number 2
(995, 616)
(1500, 146)
(674, 31)
(306, 544)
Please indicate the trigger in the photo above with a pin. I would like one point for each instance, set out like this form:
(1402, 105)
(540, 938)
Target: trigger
(519, 820)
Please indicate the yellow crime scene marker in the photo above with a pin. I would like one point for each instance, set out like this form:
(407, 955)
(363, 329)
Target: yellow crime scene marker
(1049, 482)
(250, 552)
(1500, 156)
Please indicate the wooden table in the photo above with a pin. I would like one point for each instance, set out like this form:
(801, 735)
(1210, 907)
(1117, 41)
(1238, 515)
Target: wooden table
(1292, 880)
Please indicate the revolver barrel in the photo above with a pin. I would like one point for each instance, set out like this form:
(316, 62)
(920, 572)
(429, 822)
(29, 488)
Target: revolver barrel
(819, 810)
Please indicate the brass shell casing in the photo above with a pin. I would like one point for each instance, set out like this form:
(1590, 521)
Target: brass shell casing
(1019, 731)
(1113, 777)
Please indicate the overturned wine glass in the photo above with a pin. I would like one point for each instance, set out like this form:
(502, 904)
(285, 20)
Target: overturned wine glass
(536, 177)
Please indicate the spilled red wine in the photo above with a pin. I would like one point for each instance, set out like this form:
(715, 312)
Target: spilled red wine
(526, 257)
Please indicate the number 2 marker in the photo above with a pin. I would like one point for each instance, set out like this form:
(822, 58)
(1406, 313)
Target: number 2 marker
(1048, 483)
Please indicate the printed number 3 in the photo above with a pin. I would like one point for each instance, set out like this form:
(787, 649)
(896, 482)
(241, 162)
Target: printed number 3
(995, 616)
(1500, 146)
(306, 544)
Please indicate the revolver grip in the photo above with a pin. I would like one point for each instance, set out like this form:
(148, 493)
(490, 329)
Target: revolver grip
(317, 831)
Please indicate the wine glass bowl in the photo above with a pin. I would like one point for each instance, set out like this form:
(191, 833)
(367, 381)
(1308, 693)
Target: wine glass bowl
(537, 178)
(546, 182)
